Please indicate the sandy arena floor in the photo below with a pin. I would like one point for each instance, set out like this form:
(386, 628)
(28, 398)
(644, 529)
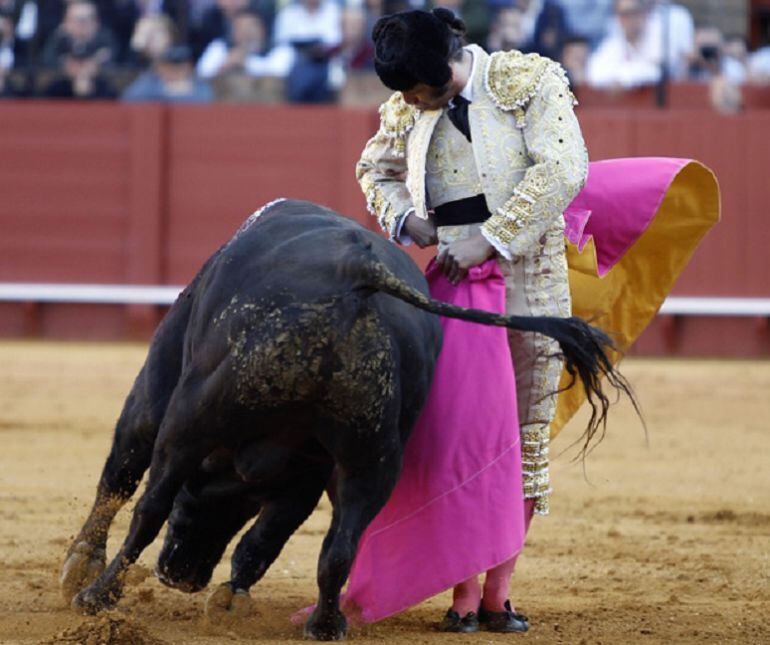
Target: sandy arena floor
(666, 543)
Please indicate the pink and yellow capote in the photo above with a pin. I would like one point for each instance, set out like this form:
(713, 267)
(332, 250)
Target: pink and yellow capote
(458, 508)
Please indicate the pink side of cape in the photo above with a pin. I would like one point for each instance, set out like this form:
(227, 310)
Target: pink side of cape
(457, 509)
(617, 204)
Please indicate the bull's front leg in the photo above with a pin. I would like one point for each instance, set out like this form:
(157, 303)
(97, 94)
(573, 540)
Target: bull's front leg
(128, 460)
(131, 451)
(183, 442)
(360, 495)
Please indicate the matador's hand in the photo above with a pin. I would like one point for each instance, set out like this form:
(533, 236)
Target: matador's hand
(422, 231)
(458, 257)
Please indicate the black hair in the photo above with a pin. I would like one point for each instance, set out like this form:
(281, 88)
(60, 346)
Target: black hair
(414, 47)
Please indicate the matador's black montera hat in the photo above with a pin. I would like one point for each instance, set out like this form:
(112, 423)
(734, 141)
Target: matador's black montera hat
(413, 47)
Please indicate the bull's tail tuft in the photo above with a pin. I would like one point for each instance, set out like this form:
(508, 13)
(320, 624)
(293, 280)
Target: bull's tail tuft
(586, 350)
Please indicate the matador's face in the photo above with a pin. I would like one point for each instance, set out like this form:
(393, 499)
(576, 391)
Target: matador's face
(428, 97)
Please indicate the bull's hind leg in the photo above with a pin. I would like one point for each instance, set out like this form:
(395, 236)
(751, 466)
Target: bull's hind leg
(362, 490)
(189, 432)
(280, 516)
(131, 451)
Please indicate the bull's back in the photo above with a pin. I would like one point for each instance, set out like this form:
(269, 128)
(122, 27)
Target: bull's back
(285, 303)
(314, 250)
(297, 252)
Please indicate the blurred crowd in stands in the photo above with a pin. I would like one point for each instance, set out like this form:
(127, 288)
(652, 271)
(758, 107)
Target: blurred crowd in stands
(308, 51)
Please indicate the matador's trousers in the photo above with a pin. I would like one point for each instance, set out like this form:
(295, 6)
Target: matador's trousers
(535, 285)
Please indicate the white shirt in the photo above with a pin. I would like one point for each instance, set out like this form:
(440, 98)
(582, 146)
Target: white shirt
(296, 23)
(670, 23)
(617, 63)
(276, 62)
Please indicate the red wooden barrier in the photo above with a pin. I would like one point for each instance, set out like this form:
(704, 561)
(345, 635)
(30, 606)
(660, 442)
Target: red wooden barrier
(143, 194)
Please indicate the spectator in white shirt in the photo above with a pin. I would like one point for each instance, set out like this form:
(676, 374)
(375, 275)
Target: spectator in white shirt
(668, 27)
(314, 29)
(670, 24)
(622, 61)
(247, 52)
(309, 21)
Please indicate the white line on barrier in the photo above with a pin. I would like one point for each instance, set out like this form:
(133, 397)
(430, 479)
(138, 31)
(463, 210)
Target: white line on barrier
(121, 294)
(699, 306)
(118, 294)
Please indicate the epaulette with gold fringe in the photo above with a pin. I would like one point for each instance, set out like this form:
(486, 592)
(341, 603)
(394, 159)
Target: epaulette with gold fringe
(513, 79)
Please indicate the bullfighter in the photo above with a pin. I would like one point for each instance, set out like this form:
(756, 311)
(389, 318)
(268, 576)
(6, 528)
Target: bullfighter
(482, 154)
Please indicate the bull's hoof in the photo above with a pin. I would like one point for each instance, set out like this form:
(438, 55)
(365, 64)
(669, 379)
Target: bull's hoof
(84, 564)
(331, 626)
(95, 598)
(224, 605)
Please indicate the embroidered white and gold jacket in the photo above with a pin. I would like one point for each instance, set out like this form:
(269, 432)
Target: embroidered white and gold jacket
(527, 144)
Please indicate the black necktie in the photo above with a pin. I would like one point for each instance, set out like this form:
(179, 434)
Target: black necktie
(458, 115)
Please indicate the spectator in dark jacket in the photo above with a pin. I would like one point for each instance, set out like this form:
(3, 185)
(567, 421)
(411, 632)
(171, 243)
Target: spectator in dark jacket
(82, 78)
(217, 21)
(81, 27)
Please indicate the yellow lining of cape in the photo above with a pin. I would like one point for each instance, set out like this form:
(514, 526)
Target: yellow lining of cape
(626, 299)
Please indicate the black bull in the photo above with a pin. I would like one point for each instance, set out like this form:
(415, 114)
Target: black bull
(305, 344)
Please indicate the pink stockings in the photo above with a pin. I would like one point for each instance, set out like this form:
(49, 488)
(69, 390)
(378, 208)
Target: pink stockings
(468, 594)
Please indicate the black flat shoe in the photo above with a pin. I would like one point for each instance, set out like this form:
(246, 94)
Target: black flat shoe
(503, 621)
(453, 623)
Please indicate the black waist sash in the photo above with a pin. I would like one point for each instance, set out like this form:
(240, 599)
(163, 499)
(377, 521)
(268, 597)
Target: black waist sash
(471, 210)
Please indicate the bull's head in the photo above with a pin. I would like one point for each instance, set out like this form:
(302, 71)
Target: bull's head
(202, 523)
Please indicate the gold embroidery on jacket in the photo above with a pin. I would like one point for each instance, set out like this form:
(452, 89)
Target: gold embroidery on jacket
(397, 119)
(513, 79)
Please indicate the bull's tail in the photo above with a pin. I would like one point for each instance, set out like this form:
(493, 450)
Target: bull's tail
(586, 350)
